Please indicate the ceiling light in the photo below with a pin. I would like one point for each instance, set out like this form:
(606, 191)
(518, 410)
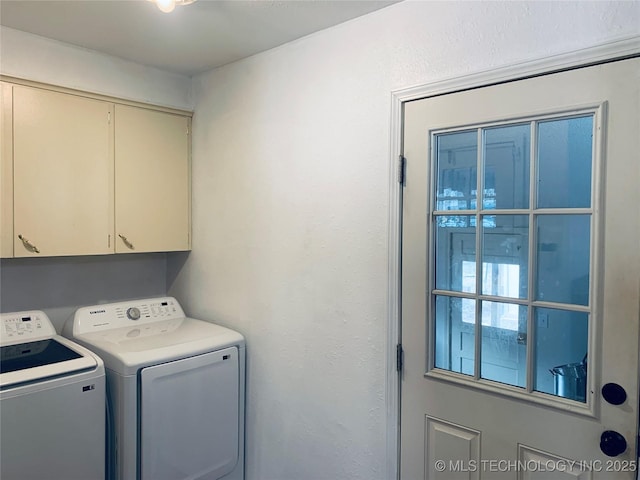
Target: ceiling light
(167, 6)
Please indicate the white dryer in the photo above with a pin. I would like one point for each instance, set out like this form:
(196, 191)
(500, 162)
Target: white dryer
(175, 388)
(52, 403)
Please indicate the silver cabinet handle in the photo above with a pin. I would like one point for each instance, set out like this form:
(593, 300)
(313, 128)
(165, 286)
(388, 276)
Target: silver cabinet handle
(127, 242)
(28, 245)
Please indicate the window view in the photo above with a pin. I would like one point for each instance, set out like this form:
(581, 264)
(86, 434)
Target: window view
(512, 253)
(504, 278)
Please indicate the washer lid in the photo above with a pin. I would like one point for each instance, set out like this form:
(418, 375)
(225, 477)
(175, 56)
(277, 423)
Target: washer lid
(38, 361)
(30, 350)
(127, 349)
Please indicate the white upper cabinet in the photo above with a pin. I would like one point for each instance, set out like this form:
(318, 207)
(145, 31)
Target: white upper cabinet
(62, 174)
(6, 171)
(82, 174)
(152, 180)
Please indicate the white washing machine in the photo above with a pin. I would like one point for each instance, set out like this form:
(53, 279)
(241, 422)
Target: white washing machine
(175, 389)
(52, 403)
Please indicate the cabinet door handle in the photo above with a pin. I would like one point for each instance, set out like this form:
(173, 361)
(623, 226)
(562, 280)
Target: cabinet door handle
(126, 242)
(28, 245)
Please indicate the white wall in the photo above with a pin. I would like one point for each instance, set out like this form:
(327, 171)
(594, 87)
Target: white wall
(60, 285)
(32, 57)
(290, 212)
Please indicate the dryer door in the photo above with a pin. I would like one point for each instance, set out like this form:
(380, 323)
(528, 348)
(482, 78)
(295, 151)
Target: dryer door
(189, 417)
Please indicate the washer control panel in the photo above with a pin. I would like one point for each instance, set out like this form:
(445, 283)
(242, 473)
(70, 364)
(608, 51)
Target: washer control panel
(124, 314)
(22, 327)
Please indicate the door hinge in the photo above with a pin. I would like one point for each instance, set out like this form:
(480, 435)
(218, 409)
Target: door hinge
(109, 117)
(399, 357)
(402, 167)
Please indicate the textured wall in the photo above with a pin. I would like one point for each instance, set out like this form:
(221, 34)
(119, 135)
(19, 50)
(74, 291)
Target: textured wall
(290, 180)
(59, 285)
(37, 58)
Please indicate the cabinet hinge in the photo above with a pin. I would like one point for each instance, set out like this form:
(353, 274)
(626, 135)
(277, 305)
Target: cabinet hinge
(402, 164)
(399, 357)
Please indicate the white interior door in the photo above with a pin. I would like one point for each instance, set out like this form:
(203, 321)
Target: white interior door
(521, 279)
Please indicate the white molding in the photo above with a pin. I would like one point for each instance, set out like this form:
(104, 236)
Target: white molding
(615, 49)
(393, 326)
(624, 47)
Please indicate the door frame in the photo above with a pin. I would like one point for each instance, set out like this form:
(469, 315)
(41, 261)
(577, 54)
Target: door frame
(618, 49)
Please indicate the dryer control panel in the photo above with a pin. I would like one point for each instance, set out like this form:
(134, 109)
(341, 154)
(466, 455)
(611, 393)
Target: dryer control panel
(22, 327)
(124, 314)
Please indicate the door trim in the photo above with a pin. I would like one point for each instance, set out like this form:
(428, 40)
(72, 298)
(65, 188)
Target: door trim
(617, 49)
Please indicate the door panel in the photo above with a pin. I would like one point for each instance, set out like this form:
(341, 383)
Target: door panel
(454, 445)
(557, 153)
(152, 178)
(6, 170)
(63, 174)
(192, 436)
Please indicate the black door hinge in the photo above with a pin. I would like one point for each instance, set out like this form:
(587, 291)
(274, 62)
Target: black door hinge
(399, 357)
(402, 167)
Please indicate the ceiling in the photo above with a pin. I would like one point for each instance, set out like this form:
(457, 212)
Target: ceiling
(192, 39)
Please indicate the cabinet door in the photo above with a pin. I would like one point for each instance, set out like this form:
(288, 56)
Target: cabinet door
(152, 180)
(6, 171)
(63, 174)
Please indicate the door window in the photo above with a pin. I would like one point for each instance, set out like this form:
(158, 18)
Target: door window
(518, 312)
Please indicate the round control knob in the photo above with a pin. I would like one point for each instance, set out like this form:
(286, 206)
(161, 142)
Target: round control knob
(612, 443)
(133, 313)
